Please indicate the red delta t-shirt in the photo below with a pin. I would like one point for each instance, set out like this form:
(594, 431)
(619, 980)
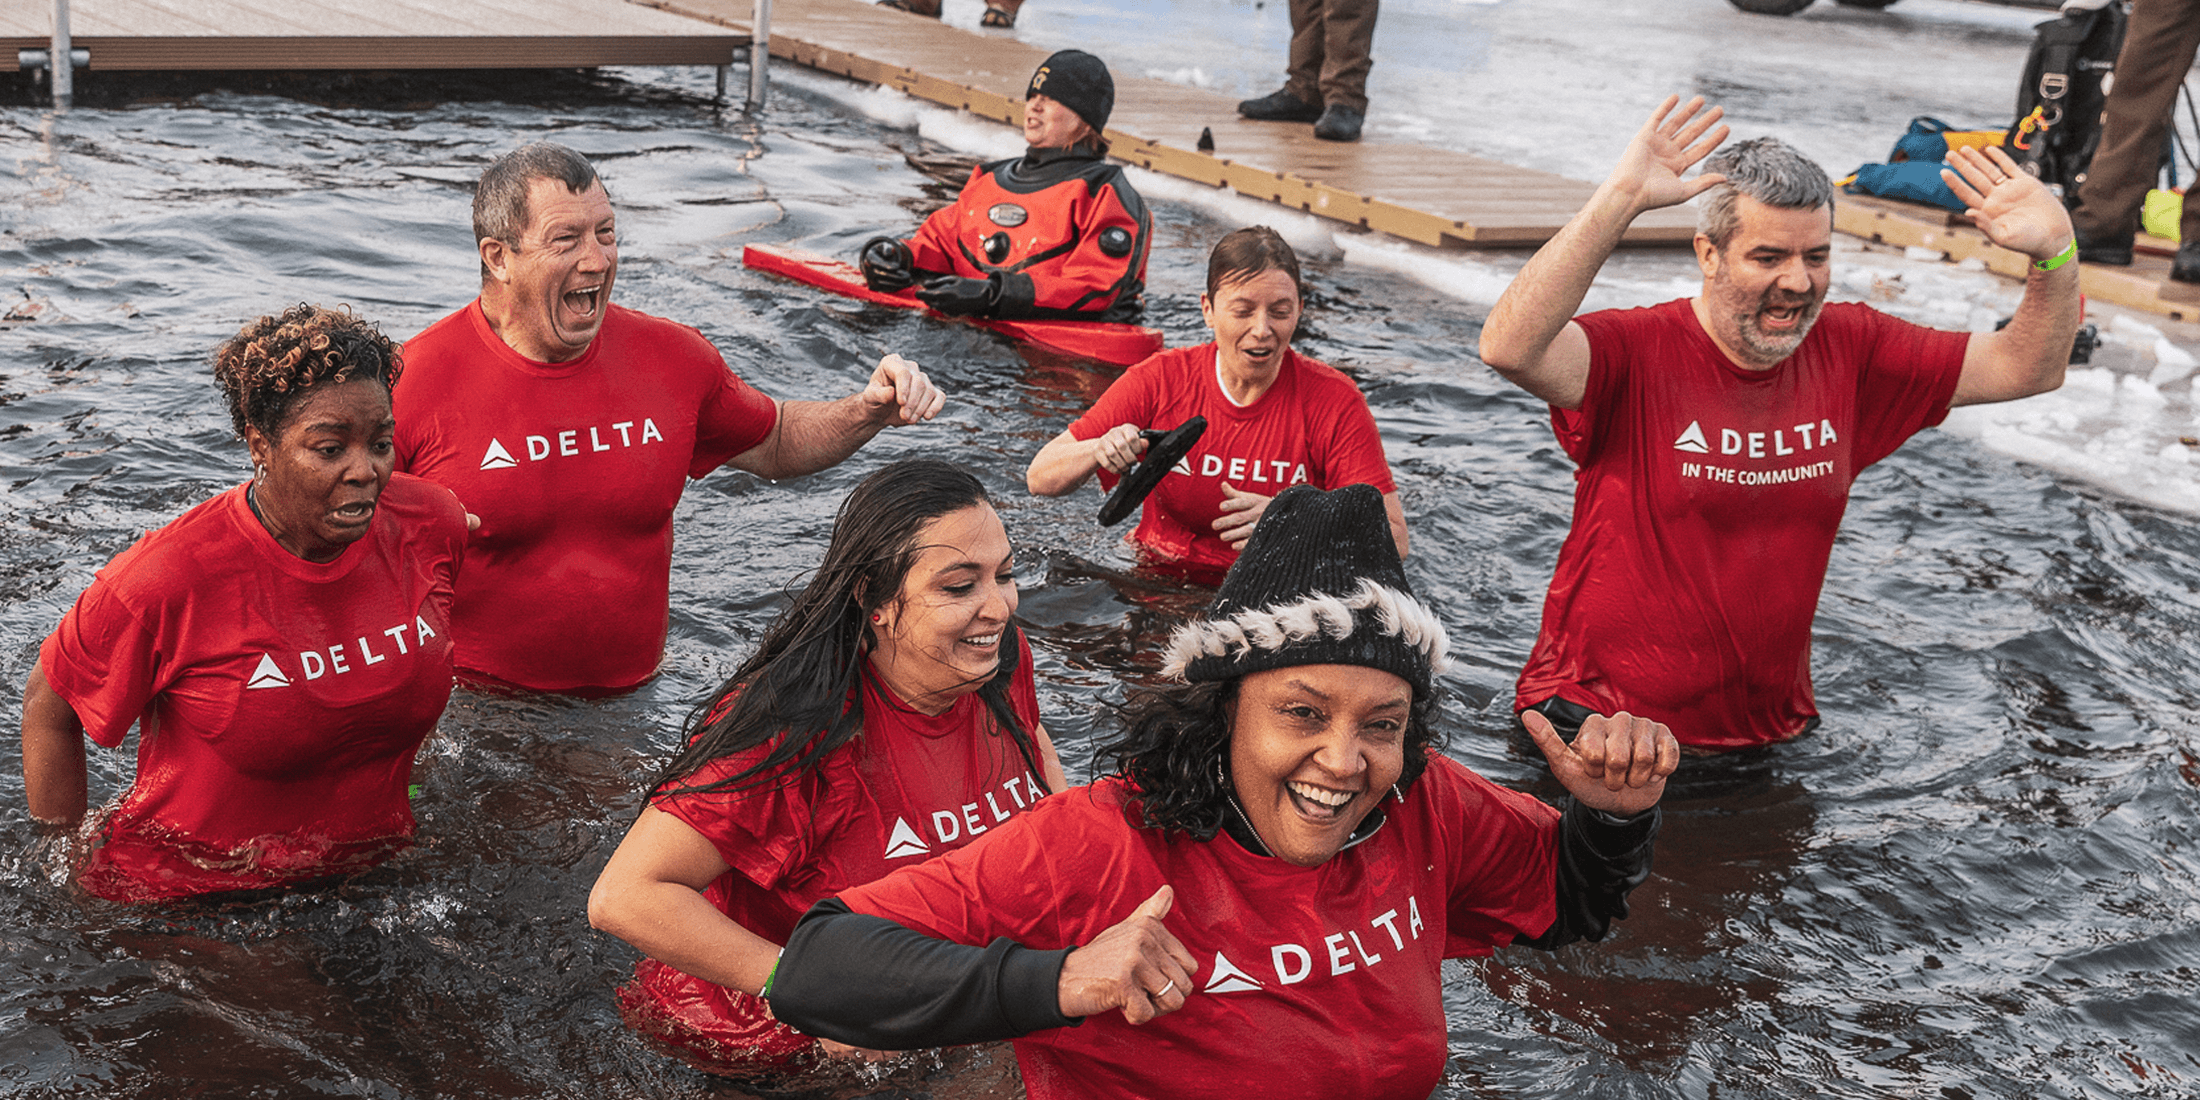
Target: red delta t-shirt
(574, 469)
(1312, 981)
(1705, 509)
(908, 788)
(1311, 426)
(279, 701)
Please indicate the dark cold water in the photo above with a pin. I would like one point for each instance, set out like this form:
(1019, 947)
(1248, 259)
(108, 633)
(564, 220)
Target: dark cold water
(1976, 880)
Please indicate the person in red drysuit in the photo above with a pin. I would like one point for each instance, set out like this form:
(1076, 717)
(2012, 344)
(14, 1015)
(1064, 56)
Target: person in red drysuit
(283, 648)
(1275, 418)
(1055, 233)
(888, 716)
(1718, 436)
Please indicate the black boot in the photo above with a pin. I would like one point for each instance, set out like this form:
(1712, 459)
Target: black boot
(2186, 268)
(1339, 123)
(2113, 250)
(1280, 106)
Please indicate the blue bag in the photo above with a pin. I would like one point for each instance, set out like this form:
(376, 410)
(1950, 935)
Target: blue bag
(1910, 181)
(1922, 142)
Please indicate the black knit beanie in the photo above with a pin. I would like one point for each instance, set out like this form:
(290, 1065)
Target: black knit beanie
(1319, 583)
(1079, 81)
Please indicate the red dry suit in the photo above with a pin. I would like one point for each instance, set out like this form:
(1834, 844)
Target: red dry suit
(1065, 230)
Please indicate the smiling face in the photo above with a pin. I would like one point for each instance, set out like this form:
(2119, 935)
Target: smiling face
(1313, 750)
(1762, 292)
(326, 467)
(1049, 125)
(940, 636)
(1253, 319)
(547, 294)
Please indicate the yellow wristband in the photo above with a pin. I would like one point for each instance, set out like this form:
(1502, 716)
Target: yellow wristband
(2069, 252)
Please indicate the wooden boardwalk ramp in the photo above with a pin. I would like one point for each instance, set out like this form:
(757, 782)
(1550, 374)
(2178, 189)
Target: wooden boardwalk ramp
(1432, 196)
(368, 34)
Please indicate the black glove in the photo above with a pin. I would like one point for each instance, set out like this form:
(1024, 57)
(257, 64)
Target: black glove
(961, 297)
(887, 265)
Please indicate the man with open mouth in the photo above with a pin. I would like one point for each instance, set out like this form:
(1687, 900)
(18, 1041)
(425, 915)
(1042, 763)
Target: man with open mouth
(1718, 436)
(570, 426)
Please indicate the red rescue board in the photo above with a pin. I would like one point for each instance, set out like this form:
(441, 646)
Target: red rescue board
(1102, 341)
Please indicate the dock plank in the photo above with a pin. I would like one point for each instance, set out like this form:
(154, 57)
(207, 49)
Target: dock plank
(125, 35)
(1433, 196)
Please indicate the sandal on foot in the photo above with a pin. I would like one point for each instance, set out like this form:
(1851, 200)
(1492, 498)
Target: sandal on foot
(997, 17)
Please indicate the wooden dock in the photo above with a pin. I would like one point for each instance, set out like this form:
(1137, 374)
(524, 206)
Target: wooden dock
(1432, 196)
(2143, 286)
(141, 35)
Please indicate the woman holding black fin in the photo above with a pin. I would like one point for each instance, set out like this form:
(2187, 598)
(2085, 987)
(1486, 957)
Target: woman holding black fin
(1057, 233)
(1275, 419)
(1261, 897)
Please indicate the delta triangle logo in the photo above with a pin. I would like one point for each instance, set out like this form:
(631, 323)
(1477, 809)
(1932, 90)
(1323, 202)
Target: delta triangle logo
(1227, 978)
(267, 675)
(496, 457)
(1692, 440)
(904, 842)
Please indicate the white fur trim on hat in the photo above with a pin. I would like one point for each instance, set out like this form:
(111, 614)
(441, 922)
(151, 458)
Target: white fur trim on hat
(1271, 628)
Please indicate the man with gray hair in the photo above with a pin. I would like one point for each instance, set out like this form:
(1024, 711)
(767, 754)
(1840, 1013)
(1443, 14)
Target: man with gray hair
(570, 426)
(1717, 436)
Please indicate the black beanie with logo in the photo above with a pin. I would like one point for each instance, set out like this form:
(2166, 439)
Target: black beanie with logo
(1079, 81)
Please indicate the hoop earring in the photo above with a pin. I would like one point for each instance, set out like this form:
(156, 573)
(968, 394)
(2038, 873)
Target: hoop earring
(1396, 793)
(259, 471)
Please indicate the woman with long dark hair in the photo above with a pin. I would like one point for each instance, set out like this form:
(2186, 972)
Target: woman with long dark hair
(887, 716)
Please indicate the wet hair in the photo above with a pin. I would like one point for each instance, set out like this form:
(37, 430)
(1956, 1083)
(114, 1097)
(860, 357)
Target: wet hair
(1245, 253)
(1768, 170)
(1176, 744)
(797, 692)
(273, 361)
(500, 198)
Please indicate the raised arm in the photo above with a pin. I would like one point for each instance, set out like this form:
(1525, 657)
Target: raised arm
(651, 895)
(1067, 461)
(813, 435)
(53, 754)
(1530, 337)
(2017, 212)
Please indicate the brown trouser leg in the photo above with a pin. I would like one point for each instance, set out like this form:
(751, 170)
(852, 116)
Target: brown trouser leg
(2158, 50)
(1330, 45)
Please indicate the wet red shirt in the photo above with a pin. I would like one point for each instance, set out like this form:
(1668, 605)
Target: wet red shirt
(910, 787)
(281, 700)
(1311, 426)
(574, 469)
(1318, 981)
(1705, 509)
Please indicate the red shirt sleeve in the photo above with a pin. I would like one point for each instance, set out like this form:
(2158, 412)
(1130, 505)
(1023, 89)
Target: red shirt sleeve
(1504, 858)
(104, 662)
(1354, 455)
(764, 833)
(734, 417)
(1130, 399)
(1908, 378)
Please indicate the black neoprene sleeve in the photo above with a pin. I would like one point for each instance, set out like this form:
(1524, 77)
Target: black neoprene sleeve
(869, 982)
(1601, 858)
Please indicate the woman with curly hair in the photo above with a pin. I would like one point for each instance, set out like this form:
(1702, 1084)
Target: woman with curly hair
(282, 648)
(1268, 885)
(887, 716)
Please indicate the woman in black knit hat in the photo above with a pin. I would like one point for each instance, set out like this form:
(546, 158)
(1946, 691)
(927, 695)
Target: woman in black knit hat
(1055, 233)
(1267, 886)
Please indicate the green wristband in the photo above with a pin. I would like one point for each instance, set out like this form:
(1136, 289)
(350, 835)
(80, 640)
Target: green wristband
(2069, 253)
(766, 992)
